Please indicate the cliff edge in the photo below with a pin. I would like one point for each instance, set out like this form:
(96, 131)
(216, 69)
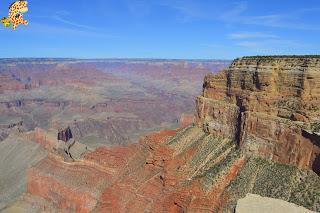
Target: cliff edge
(269, 106)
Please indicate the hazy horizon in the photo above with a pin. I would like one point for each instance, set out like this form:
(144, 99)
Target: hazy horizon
(156, 59)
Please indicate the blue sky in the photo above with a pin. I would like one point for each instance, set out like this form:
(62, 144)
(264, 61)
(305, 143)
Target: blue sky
(199, 29)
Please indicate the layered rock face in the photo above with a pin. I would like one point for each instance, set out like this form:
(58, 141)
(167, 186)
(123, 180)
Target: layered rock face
(206, 167)
(9, 83)
(268, 105)
(186, 170)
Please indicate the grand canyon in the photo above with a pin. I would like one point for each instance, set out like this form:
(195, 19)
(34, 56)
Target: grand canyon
(138, 135)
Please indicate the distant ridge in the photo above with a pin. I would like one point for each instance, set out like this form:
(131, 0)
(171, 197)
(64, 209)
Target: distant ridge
(279, 56)
(108, 59)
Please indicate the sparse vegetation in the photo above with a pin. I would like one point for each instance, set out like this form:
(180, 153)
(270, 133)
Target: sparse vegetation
(274, 180)
(174, 139)
(315, 127)
(219, 169)
(290, 104)
(214, 145)
(269, 179)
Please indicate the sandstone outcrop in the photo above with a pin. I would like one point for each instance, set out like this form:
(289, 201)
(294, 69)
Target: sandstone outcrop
(65, 134)
(54, 142)
(267, 105)
(255, 203)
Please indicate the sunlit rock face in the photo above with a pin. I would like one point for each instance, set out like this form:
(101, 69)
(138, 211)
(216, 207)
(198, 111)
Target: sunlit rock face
(268, 105)
(242, 127)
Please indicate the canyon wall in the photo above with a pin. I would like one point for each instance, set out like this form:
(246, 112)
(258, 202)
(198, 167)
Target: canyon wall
(107, 101)
(265, 106)
(268, 106)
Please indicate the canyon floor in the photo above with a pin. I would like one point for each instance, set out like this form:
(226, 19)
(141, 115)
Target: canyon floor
(140, 136)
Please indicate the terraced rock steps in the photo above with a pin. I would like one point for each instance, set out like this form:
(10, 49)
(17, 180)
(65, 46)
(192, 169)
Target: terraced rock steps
(169, 171)
(207, 151)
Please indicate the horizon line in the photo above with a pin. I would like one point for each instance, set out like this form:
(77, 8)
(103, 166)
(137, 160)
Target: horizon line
(159, 59)
(115, 58)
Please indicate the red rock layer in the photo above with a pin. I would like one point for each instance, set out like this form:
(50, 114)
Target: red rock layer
(72, 187)
(159, 186)
(47, 140)
(152, 176)
(186, 120)
(8, 83)
(77, 186)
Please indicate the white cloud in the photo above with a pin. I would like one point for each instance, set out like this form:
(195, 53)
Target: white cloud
(268, 43)
(74, 24)
(237, 13)
(288, 19)
(58, 30)
(250, 35)
(247, 44)
(73, 29)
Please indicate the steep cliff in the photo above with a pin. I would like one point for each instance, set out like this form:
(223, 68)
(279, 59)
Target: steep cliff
(255, 126)
(268, 105)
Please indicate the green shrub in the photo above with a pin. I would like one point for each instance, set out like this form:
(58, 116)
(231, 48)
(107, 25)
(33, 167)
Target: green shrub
(315, 127)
